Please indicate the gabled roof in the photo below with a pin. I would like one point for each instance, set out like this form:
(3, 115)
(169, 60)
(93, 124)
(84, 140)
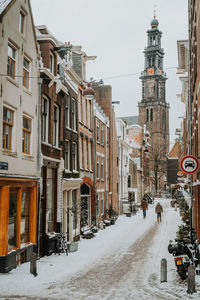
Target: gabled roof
(3, 5)
(175, 152)
(130, 120)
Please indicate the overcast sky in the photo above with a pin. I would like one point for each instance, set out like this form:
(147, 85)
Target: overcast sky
(115, 31)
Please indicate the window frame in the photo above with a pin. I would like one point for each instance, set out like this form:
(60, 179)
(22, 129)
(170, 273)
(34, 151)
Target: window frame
(56, 122)
(11, 60)
(26, 71)
(74, 112)
(45, 115)
(6, 123)
(28, 131)
(74, 157)
(102, 204)
(102, 168)
(67, 111)
(67, 161)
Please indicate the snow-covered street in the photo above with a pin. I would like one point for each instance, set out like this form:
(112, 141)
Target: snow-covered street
(121, 262)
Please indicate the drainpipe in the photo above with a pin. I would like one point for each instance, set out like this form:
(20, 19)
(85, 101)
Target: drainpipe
(190, 119)
(39, 163)
(94, 156)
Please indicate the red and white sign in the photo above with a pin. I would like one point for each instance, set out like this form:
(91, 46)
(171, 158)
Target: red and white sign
(189, 164)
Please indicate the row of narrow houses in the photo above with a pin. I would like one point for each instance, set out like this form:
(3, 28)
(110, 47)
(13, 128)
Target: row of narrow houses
(187, 142)
(58, 151)
(66, 162)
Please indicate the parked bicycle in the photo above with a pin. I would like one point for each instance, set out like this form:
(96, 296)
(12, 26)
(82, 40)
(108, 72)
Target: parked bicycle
(61, 244)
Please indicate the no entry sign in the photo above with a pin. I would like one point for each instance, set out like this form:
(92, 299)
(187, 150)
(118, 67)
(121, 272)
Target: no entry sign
(189, 164)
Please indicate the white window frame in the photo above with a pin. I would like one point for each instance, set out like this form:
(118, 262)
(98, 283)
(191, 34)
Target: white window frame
(46, 116)
(98, 171)
(56, 125)
(98, 205)
(67, 111)
(74, 112)
(74, 157)
(51, 63)
(102, 168)
(98, 133)
(102, 204)
(102, 135)
(67, 157)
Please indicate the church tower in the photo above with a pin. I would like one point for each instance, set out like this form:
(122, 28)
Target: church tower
(153, 108)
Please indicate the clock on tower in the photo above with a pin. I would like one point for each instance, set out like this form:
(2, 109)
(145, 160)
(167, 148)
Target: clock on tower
(150, 71)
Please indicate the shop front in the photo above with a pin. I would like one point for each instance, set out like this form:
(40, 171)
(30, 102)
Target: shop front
(18, 221)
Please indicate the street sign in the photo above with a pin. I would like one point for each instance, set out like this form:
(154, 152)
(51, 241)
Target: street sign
(189, 164)
(180, 173)
(3, 165)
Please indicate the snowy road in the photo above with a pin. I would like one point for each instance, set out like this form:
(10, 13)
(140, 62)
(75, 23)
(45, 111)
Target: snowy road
(121, 262)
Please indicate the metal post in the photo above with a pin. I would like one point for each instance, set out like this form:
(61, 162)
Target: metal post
(163, 270)
(33, 264)
(191, 280)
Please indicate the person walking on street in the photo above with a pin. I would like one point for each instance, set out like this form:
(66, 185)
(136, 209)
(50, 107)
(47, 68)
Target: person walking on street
(144, 207)
(159, 211)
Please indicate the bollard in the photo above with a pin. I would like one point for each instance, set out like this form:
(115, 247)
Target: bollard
(33, 264)
(191, 280)
(163, 270)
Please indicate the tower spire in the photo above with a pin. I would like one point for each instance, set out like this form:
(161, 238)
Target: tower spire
(154, 12)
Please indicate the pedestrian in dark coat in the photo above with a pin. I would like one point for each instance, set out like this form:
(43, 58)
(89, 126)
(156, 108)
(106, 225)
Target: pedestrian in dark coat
(158, 211)
(144, 207)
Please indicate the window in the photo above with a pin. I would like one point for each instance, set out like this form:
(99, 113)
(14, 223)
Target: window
(25, 206)
(83, 151)
(26, 135)
(88, 156)
(67, 155)
(55, 125)
(26, 71)
(98, 138)
(98, 205)
(147, 115)
(51, 65)
(102, 203)
(91, 155)
(98, 167)
(129, 181)
(21, 22)
(67, 110)
(102, 168)
(7, 128)
(151, 114)
(12, 219)
(74, 208)
(11, 67)
(86, 112)
(50, 199)
(45, 120)
(102, 135)
(73, 114)
(74, 156)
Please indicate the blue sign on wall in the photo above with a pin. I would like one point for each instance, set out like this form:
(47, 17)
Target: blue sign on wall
(3, 165)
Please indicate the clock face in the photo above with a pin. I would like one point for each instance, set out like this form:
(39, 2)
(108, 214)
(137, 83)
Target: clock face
(150, 71)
